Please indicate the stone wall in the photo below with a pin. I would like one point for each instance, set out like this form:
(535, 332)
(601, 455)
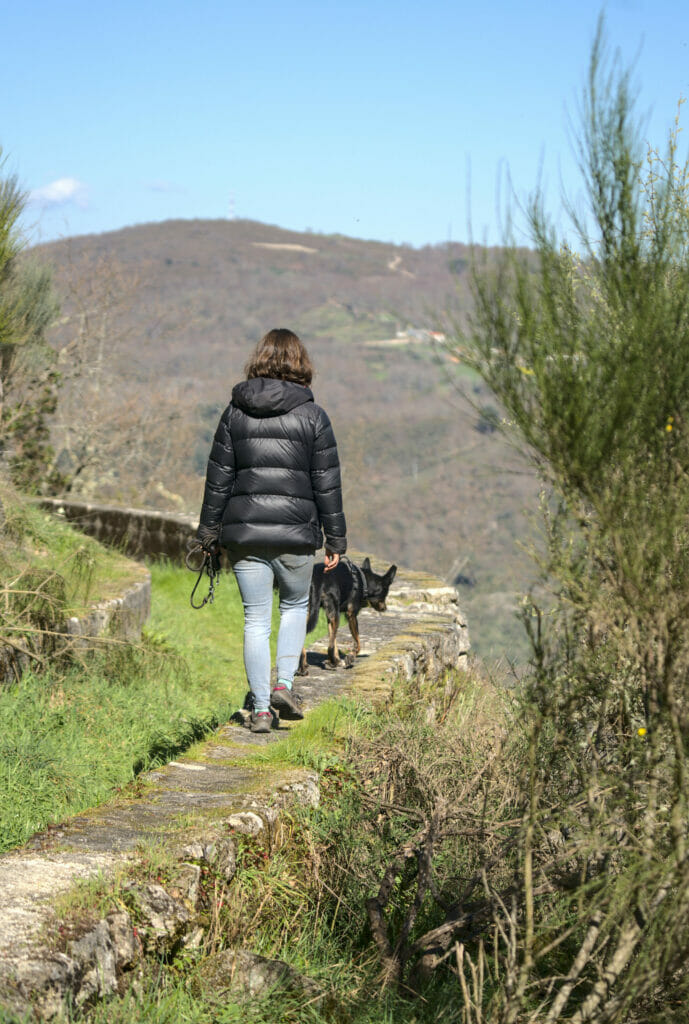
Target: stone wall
(138, 532)
(124, 615)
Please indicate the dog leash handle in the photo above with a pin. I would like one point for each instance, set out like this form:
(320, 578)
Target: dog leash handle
(210, 566)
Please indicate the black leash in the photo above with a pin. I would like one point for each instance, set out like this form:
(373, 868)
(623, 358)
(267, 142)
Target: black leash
(210, 565)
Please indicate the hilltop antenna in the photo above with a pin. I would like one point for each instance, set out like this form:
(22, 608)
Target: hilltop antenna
(231, 211)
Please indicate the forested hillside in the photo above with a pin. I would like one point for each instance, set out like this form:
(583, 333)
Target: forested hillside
(157, 322)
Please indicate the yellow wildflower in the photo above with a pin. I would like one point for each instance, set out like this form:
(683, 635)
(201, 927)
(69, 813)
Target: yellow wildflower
(641, 731)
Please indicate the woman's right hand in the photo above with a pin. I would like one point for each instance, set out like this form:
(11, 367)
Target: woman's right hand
(331, 560)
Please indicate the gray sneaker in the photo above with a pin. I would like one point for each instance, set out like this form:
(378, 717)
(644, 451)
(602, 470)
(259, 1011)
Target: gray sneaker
(286, 703)
(261, 721)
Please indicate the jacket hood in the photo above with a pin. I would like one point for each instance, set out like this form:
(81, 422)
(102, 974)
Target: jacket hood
(266, 396)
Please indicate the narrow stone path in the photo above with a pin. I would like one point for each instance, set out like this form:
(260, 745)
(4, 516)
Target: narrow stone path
(192, 802)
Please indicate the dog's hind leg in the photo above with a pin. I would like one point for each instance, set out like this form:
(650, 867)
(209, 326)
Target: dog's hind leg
(303, 669)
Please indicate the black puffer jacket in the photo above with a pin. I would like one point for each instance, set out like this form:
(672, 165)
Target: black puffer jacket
(273, 478)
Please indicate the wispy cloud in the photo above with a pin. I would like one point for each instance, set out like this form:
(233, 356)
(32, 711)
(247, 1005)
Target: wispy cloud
(60, 192)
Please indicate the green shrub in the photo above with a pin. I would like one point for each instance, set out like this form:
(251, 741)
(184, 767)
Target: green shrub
(28, 379)
(588, 353)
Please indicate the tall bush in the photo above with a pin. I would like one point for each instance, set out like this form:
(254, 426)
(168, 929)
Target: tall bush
(28, 379)
(586, 345)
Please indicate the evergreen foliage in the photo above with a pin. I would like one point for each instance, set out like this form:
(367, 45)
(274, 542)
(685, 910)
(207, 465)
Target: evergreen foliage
(28, 379)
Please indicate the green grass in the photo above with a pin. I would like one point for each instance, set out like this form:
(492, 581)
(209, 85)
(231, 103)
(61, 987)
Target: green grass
(168, 1006)
(319, 741)
(68, 740)
(71, 736)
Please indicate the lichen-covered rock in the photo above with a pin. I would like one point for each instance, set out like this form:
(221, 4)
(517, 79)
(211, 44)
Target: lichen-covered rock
(218, 852)
(248, 823)
(305, 792)
(39, 984)
(222, 857)
(250, 975)
(125, 946)
(193, 851)
(102, 954)
(95, 954)
(269, 815)
(164, 920)
(184, 884)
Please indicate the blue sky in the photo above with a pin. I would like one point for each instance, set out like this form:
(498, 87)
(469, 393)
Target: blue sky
(387, 120)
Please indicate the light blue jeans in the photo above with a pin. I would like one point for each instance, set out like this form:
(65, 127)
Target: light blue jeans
(255, 574)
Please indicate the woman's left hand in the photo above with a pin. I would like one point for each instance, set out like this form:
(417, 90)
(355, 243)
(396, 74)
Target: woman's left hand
(331, 560)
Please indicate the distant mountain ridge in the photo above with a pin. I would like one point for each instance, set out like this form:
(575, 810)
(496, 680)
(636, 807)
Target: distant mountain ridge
(235, 277)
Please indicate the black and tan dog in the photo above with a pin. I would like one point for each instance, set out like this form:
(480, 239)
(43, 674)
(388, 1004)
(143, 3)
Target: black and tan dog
(345, 589)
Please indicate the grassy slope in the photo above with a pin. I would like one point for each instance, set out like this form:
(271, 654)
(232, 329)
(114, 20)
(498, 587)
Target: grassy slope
(32, 541)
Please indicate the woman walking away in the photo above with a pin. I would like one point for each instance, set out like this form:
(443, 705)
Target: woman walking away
(272, 490)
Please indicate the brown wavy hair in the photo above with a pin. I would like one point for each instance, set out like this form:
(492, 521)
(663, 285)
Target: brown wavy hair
(282, 355)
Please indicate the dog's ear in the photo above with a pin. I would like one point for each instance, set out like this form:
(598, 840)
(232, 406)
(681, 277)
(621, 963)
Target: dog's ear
(366, 564)
(390, 574)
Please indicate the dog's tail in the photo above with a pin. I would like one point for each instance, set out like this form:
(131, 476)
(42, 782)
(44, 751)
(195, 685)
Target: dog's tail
(315, 593)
